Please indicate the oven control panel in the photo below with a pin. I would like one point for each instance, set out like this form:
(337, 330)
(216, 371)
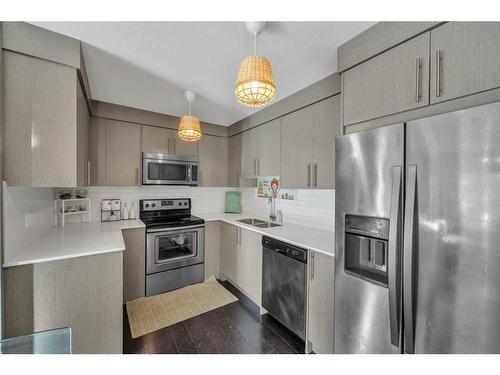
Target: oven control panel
(165, 204)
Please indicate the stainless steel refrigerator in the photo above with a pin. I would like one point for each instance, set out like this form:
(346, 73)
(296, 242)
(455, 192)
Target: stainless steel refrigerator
(417, 266)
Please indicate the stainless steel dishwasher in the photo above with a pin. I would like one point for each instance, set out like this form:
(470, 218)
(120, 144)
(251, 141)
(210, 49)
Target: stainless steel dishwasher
(284, 278)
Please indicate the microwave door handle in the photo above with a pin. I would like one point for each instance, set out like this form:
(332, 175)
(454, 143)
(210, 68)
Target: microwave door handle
(394, 273)
(408, 259)
(190, 173)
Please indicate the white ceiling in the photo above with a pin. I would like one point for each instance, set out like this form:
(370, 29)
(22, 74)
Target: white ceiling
(149, 65)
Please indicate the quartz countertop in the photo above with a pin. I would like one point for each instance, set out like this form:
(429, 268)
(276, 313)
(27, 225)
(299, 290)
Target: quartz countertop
(74, 240)
(321, 241)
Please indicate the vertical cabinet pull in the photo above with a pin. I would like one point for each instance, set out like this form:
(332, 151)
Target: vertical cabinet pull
(88, 172)
(137, 176)
(315, 174)
(254, 163)
(311, 271)
(258, 166)
(439, 59)
(173, 145)
(418, 79)
(308, 175)
(168, 145)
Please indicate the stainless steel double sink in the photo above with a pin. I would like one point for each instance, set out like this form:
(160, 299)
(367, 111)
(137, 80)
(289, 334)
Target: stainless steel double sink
(259, 223)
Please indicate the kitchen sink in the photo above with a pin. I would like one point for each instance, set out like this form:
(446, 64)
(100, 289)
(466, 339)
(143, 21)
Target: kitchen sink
(259, 223)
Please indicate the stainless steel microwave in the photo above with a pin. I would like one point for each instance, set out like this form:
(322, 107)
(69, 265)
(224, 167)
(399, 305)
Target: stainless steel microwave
(163, 169)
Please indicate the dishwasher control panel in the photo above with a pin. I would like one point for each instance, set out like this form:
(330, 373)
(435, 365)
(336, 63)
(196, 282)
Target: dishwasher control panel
(290, 251)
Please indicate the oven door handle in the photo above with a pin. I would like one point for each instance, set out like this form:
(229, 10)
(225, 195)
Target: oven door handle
(168, 230)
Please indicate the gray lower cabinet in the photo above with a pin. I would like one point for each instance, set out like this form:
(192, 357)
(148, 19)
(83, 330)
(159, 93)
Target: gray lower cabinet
(320, 311)
(212, 249)
(123, 153)
(464, 59)
(40, 122)
(242, 260)
(134, 264)
(213, 161)
(392, 82)
(234, 161)
(84, 293)
(297, 149)
(327, 126)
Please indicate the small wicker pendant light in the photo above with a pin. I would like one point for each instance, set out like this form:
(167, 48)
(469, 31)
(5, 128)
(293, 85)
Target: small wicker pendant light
(254, 85)
(189, 126)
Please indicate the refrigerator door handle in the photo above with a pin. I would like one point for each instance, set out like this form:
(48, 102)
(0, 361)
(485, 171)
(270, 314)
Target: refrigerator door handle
(394, 274)
(408, 259)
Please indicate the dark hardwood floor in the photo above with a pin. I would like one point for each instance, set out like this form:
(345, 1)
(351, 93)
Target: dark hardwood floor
(236, 328)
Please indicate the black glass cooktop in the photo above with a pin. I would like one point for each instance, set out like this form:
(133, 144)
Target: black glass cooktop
(172, 222)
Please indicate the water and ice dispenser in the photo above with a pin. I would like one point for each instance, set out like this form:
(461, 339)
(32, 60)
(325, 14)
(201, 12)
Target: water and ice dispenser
(366, 245)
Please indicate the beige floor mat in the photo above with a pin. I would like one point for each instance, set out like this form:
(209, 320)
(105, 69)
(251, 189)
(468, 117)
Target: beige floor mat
(149, 314)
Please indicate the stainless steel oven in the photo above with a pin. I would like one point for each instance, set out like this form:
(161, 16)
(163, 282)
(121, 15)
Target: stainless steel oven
(175, 244)
(163, 169)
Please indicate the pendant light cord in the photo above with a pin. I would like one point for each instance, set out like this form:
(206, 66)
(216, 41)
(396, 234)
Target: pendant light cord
(189, 108)
(255, 43)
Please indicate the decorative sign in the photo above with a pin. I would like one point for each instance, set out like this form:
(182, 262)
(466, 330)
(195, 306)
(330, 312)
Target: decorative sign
(267, 186)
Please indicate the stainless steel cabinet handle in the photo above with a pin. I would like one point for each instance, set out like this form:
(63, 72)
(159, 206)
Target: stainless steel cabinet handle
(137, 176)
(394, 256)
(88, 172)
(439, 59)
(418, 79)
(258, 166)
(168, 146)
(315, 174)
(237, 179)
(308, 175)
(311, 273)
(254, 164)
(408, 258)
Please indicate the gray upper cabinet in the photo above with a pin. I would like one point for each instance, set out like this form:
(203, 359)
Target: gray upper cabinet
(297, 149)
(392, 82)
(327, 125)
(40, 122)
(465, 59)
(155, 140)
(213, 161)
(268, 155)
(234, 165)
(123, 153)
(97, 151)
(249, 151)
(83, 138)
(182, 147)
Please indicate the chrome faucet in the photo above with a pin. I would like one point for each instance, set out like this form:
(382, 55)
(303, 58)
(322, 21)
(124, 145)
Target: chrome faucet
(272, 208)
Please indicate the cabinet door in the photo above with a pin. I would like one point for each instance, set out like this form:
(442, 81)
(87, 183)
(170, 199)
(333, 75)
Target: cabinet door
(40, 122)
(123, 153)
(182, 147)
(97, 151)
(268, 139)
(134, 264)
(229, 242)
(469, 54)
(320, 303)
(213, 161)
(248, 274)
(83, 139)
(155, 139)
(297, 149)
(392, 82)
(234, 155)
(249, 150)
(212, 249)
(326, 127)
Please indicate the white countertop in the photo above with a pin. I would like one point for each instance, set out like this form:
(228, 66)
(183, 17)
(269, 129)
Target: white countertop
(309, 238)
(82, 239)
(74, 240)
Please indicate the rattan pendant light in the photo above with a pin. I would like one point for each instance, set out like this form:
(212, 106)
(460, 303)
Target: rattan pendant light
(254, 85)
(189, 126)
